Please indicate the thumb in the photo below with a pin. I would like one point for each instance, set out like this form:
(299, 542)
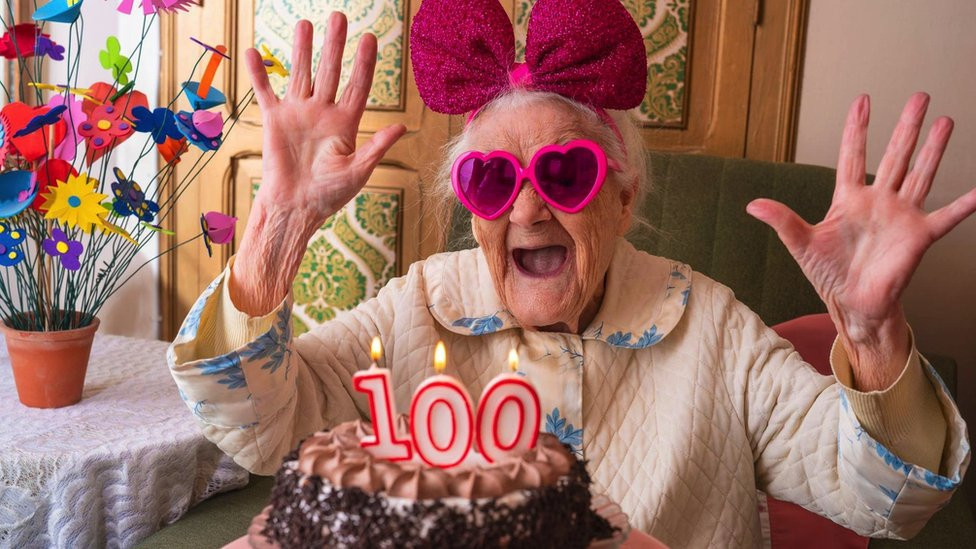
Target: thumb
(790, 227)
(372, 151)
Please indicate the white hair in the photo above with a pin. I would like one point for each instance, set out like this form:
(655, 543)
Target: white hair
(629, 154)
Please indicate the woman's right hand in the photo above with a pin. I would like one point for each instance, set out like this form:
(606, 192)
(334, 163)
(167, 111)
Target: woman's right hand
(311, 167)
(310, 162)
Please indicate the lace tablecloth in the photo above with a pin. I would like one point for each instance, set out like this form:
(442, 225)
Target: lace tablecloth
(112, 469)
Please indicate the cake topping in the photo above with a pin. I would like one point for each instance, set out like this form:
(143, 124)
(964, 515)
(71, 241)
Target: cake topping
(337, 456)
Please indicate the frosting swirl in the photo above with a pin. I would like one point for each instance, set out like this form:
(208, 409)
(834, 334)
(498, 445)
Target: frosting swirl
(337, 456)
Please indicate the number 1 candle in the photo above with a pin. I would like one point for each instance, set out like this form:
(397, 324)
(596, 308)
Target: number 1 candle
(508, 414)
(375, 382)
(440, 417)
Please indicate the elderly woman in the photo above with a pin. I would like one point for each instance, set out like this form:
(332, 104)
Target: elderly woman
(679, 397)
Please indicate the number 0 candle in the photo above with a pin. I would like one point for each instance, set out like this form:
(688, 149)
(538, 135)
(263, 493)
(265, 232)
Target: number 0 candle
(508, 414)
(375, 382)
(440, 417)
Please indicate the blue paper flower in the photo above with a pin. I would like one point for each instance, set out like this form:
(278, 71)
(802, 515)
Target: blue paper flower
(10, 240)
(50, 117)
(160, 122)
(131, 200)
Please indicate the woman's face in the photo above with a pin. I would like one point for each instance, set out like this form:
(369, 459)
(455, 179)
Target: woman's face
(548, 266)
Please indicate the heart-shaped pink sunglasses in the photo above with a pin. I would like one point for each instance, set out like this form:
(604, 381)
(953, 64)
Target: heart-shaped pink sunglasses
(566, 176)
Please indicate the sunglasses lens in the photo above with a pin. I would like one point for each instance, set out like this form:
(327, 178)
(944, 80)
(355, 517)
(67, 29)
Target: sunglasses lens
(567, 178)
(486, 184)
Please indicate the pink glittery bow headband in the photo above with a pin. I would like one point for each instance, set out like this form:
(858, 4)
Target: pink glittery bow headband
(591, 51)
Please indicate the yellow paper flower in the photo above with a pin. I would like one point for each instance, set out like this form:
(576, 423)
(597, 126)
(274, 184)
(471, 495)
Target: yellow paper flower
(75, 203)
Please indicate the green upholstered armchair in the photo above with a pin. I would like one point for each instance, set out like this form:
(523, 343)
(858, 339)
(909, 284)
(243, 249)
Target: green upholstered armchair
(697, 209)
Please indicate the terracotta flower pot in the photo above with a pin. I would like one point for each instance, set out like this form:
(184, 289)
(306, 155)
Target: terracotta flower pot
(49, 367)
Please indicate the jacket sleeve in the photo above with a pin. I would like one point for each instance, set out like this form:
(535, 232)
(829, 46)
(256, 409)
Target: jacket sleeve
(809, 444)
(254, 389)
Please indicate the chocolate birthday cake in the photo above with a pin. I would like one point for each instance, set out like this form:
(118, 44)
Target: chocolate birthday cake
(331, 492)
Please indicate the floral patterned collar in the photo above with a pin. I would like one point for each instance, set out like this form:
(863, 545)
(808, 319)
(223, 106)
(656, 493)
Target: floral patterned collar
(462, 297)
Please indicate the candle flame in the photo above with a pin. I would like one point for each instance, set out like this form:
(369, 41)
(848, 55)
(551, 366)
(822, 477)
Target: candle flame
(440, 357)
(513, 360)
(376, 349)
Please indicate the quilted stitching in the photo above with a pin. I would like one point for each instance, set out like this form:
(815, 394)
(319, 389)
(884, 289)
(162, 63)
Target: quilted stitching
(679, 433)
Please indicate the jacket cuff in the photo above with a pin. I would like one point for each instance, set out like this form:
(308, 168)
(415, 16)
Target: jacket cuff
(236, 328)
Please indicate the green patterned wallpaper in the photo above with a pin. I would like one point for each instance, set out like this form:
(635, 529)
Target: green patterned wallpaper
(664, 24)
(349, 259)
(274, 24)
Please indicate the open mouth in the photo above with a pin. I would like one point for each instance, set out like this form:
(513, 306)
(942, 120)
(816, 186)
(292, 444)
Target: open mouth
(540, 262)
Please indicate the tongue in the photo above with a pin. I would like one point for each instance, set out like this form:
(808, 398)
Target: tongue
(542, 261)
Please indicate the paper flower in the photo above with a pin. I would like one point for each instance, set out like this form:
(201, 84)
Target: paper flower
(150, 6)
(59, 11)
(17, 191)
(160, 122)
(272, 65)
(73, 118)
(32, 146)
(171, 149)
(131, 200)
(104, 127)
(21, 42)
(10, 240)
(53, 116)
(75, 203)
(46, 46)
(60, 246)
(49, 173)
(112, 59)
(201, 128)
(217, 228)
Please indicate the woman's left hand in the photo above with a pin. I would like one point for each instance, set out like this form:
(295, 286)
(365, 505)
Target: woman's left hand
(861, 257)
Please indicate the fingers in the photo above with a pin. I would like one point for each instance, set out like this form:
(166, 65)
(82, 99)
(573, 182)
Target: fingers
(259, 79)
(853, 145)
(894, 164)
(919, 181)
(330, 65)
(946, 218)
(361, 80)
(372, 151)
(301, 61)
(790, 227)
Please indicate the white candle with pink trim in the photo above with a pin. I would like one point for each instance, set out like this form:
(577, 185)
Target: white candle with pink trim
(385, 442)
(508, 414)
(441, 422)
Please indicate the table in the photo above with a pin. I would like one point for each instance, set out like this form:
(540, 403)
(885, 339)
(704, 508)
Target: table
(112, 469)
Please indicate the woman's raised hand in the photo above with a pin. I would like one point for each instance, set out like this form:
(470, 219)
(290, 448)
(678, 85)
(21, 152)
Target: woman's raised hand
(861, 257)
(310, 161)
(311, 167)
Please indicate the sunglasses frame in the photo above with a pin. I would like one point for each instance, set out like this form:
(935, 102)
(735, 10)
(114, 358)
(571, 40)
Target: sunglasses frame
(521, 174)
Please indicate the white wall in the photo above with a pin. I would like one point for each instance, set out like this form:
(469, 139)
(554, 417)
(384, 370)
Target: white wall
(890, 49)
(134, 309)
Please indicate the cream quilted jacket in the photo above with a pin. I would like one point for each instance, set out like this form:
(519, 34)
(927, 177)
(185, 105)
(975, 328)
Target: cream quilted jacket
(683, 402)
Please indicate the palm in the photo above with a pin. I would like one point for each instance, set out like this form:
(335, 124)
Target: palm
(310, 160)
(861, 257)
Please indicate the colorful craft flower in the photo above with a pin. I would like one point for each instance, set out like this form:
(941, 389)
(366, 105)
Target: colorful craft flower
(60, 246)
(202, 128)
(105, 125)
(160, 122)
(46, 46)
(171, 150)
(150, 6)
(73, 118)
(217, 228)
(49, 173)
(21, 42)
(75, 203)
(273, 65)
(131, 200)
(59, 11)
(31, 145)
(10, 240)
(53, 116)
(112, 59)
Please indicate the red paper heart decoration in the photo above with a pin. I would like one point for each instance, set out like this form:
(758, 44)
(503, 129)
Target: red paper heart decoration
(49, 173)
(35, 144)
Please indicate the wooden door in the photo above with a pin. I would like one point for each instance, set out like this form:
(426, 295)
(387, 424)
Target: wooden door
(722, 76)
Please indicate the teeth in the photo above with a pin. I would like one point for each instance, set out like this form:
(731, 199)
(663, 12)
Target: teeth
(540, 261)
